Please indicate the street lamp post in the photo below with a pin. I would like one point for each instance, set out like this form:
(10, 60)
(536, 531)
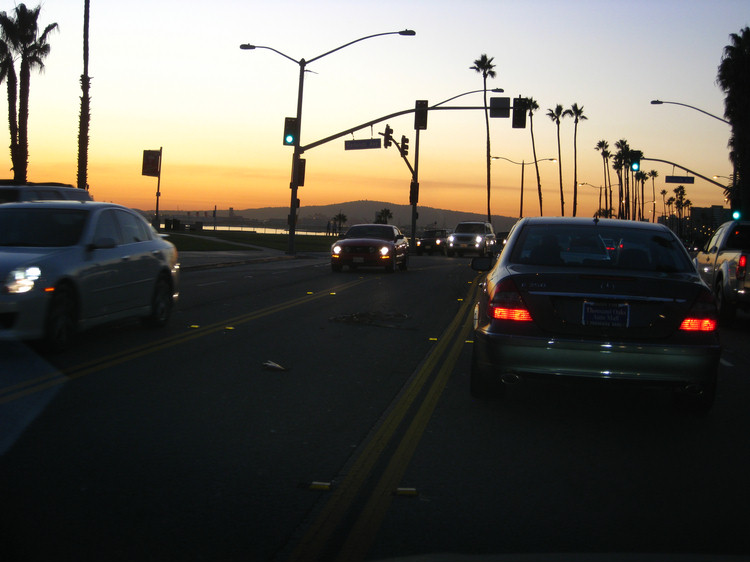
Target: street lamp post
(296, 156)
(522, 163)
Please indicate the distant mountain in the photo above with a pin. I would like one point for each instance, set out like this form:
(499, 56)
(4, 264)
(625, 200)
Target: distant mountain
(316, 216)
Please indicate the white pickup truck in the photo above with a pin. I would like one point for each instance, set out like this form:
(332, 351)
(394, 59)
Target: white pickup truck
(722, 264)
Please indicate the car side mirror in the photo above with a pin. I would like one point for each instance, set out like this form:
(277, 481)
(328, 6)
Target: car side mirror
(102, 243)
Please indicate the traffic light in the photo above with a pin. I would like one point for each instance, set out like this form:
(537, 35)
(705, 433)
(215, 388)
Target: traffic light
(420, 115)
(291, 131)
(388, 137)
(413, 193)
(404, 145)
(635, 165)
(519, 113)
(736, 215)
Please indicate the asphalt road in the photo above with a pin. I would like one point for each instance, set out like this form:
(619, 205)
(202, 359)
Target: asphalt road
(291, 413)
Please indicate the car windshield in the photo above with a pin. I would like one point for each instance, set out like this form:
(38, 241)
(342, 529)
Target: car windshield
(600, 247)
(473, 228)
(383, 232)
(434, 233)
(41, 227)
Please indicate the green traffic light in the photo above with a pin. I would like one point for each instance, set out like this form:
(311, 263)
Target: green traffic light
(736, 215)
(289, 139)
(635, 166)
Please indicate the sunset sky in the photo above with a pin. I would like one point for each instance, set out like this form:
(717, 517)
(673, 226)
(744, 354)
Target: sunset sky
(170, 73)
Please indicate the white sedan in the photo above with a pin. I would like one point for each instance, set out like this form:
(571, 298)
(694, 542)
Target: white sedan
(68, 265)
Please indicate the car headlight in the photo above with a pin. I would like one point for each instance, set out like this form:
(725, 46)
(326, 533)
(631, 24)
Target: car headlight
(479, 239)
(384, 250)
(336, 249)
(450, 238)
(22, 279)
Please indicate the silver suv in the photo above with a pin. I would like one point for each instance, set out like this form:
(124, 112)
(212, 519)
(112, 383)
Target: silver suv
(11, 193)
(478, 237)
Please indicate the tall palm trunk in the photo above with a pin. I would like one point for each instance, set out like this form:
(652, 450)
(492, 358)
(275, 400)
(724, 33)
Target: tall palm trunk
(559, 168)
(489, 158)
(21, 170)
(85, 117)
(536, 162)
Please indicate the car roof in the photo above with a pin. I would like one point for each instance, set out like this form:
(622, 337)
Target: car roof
(588, 221)
(63, 204)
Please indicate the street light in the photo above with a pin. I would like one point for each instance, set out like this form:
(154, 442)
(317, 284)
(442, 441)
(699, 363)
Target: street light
(523, 167)
(660, 102)
(302, 63)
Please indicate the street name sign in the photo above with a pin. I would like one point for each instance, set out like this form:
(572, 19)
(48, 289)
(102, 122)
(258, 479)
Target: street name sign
(679, 179)
(361, 144)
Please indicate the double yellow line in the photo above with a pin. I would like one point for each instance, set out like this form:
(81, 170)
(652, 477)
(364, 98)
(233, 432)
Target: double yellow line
(55, 377)
(359, 540)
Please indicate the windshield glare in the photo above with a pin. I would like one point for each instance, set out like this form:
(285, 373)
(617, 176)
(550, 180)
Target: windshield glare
(41, 227)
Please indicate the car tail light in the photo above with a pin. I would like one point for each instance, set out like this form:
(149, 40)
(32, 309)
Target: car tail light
(507, 303)
(702, 316)
(742, 267)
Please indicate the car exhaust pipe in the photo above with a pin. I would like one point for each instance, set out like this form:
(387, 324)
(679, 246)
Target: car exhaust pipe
(694, 389)
(510, 378)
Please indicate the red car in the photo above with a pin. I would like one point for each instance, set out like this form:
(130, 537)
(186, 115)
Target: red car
(371, 245)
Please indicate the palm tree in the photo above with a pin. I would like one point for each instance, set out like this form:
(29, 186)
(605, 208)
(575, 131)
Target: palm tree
(85, 117)
(577, 114)
(383, 216)
(732, 78)
(556, 115)
(483, 65)
(664, 202)
(640, 178)
(603, 147)
(533, 106)
(341, 219)
(621, 163)
(8, 73)
(653, 174)
(21, 35)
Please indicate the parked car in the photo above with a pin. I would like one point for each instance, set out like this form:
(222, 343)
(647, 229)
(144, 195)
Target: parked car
(371, 245)
(12, 193)
(433, 240)
(475, 237)
(563, 302)
(722, 264)
(70, 265)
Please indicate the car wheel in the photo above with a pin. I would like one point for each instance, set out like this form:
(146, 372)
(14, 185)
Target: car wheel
(60, 327)
(336, 267)
(698, 403)
(726, 310)
(482, 384)
(404, 264)
(161, 304)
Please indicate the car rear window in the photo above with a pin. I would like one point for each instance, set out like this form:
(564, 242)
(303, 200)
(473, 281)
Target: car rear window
(39, 227)
(600, 247)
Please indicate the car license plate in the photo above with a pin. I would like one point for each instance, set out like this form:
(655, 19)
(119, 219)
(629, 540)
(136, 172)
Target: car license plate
(358, 260)
(606, 314)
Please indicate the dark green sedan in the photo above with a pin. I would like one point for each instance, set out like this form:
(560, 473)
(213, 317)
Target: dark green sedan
(583, 299)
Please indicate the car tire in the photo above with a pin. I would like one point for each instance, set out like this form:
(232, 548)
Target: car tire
(404, 265)
(161, 304)
(61, 324)
(336, 267)
(726, 310)
(482, 385)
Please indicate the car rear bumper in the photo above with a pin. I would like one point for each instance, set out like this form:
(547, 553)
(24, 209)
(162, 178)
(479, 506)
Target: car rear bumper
(535, 357)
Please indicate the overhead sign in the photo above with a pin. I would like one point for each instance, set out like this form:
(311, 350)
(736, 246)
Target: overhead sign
(360, 144)
(499, 107)
(679, 179)
(151, 163)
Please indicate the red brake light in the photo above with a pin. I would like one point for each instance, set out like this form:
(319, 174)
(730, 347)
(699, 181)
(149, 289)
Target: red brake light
(507, 303)
(702, 316)
(741, 267)
(698, 325)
